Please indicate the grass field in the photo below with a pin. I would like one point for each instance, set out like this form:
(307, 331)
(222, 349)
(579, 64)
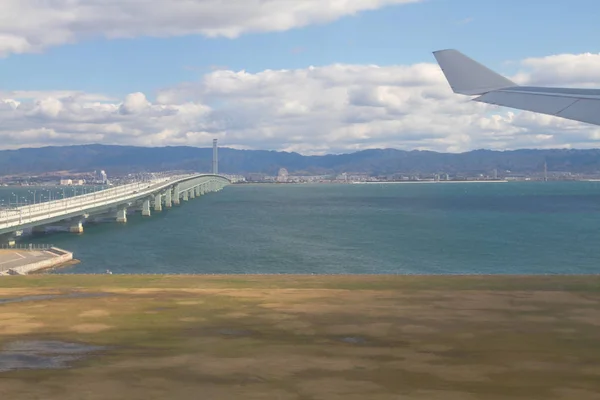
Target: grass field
(307, 337)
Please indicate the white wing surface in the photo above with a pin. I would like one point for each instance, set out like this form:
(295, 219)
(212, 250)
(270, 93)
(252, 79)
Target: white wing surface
(468, 77)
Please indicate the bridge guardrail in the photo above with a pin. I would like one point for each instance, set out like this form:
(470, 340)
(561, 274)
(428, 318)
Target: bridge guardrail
(31, 213)
(27, 247)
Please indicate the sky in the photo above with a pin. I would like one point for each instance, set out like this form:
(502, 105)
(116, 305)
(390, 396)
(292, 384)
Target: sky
(310, 76)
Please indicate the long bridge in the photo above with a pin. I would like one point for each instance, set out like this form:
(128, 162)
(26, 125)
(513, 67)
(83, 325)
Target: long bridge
(113, 203)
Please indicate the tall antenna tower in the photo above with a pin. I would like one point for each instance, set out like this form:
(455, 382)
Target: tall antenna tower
(545, 171)
(215, 163)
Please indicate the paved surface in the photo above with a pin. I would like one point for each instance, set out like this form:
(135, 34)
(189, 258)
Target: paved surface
(17, 258)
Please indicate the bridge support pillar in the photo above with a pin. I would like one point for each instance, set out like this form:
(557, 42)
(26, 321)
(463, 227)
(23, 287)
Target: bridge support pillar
(185, 195)
(146, 208)
(158, 202)
(192, 193)
(76, 227)
(197, 190)
(168, 200)
(176, 195)
(122, 215)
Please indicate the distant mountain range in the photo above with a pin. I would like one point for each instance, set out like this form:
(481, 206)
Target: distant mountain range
(119, 159)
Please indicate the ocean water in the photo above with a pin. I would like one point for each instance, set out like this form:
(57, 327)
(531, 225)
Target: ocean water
(446, 228)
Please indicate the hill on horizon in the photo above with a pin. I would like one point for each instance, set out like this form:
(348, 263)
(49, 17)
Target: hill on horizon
(119, 159)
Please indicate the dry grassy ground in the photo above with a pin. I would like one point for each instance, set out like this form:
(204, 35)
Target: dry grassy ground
(311, 337)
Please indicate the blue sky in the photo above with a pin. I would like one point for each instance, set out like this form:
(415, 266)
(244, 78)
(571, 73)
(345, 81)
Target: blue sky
(311, 76)
(492, 31)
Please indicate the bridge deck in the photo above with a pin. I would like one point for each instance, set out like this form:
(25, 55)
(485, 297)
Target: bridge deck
(29, 216)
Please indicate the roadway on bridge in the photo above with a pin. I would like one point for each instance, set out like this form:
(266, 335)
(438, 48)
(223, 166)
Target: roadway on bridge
(12, 220)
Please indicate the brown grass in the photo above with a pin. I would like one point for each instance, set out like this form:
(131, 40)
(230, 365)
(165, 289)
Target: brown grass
(304, 338)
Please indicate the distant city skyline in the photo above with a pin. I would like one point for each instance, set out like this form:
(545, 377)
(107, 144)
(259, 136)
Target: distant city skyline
(85, 162)
(314, 77)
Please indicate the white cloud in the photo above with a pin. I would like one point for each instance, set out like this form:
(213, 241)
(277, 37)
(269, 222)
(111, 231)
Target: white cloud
(32, 25)
(134, 103)
(335, 108)
(579, 70)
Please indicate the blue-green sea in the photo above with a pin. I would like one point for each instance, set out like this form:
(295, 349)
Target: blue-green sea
(439, 228)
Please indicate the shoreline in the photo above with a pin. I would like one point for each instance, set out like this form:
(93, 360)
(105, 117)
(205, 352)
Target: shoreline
(393, 182)
(370, 182)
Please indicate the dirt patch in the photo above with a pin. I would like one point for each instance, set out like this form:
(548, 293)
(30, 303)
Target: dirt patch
(378, 329)
(16, 292)
(19, 327)
(14, 323)
(337, 388)
(190, 302)
(435, 348)
(274, 366)
(290, 295)
(94, 314)
(457, 373)
(417, 329)
(14, 315)
(300, 327)
(35, 306)
(236, 314)
(441, 395)
(192, 319)
(90, 328)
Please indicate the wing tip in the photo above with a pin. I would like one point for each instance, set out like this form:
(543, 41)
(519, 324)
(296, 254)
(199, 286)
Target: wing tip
(468, 77)
(443, 51)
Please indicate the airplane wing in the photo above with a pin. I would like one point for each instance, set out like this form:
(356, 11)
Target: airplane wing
(468, 77)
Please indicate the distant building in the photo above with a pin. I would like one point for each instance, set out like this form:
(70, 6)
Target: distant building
(342, 177)
(235, 178)
(72, 182)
